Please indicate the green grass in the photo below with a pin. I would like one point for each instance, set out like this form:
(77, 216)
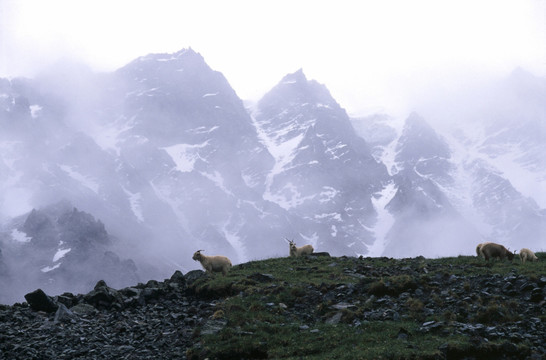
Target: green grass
(322, 341)
(277, 308)
(285, 272)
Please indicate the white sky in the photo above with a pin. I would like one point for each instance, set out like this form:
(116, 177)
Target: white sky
(370, 54)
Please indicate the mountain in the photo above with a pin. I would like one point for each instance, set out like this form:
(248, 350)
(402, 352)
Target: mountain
(168, 160)
(422, 210)
(59, 248)
(162, 151)
(476, 171)
(185, 132)
(323, 171)
(506, 164)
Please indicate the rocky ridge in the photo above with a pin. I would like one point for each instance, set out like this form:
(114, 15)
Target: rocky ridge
(501, 314)
(60, 248)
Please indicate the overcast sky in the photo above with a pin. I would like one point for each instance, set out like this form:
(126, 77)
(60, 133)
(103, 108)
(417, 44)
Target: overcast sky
(370, 54)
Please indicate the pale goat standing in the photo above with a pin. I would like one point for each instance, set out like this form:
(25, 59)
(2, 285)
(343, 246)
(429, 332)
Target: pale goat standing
(213, 264)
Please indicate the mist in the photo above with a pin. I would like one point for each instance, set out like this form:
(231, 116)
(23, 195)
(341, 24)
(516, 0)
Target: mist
(491, 176)
(97, 141)
(116, 124)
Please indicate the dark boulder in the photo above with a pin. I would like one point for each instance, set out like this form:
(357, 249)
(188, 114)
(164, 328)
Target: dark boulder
(103, 297)
(39, 301)
(178, 277)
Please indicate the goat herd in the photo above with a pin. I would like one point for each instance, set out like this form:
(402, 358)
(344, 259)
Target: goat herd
(489, 250)
(486, 250)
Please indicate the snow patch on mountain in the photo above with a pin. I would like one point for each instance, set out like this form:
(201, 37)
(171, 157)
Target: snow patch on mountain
(20, 236)
(385, 220)
(46, 269)
(334, 150)
(327, 194)
(185, 155)
(387, 156)
(135, 199)
(60, 254)
(283, 151)
(203, 130)
(234, 240)
(86, 181)
(35, 110)
(288, 197)
(382, 132)
(217, 178)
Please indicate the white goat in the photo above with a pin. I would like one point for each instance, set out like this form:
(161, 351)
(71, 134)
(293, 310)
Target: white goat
(299, 251)
(526, 254)
(213, 263)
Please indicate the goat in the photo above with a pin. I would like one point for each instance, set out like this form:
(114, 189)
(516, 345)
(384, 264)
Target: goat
(213, 263)
(525, 254)
(299, 251)
(479, 249)
(493, 250)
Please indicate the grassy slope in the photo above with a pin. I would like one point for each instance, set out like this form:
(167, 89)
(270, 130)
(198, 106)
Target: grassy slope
(285, 314)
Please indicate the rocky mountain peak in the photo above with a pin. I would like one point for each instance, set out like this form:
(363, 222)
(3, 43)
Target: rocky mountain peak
(419, 141)
(57, 244)
(62, 222)
(295, 77)
(82, 225)
(319, 161)
(524, 79)
(185, 60)
(182, 77)
(166, 97)
(295, 90)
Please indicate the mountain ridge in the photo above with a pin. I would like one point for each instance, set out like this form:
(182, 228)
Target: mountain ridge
(166, 155)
